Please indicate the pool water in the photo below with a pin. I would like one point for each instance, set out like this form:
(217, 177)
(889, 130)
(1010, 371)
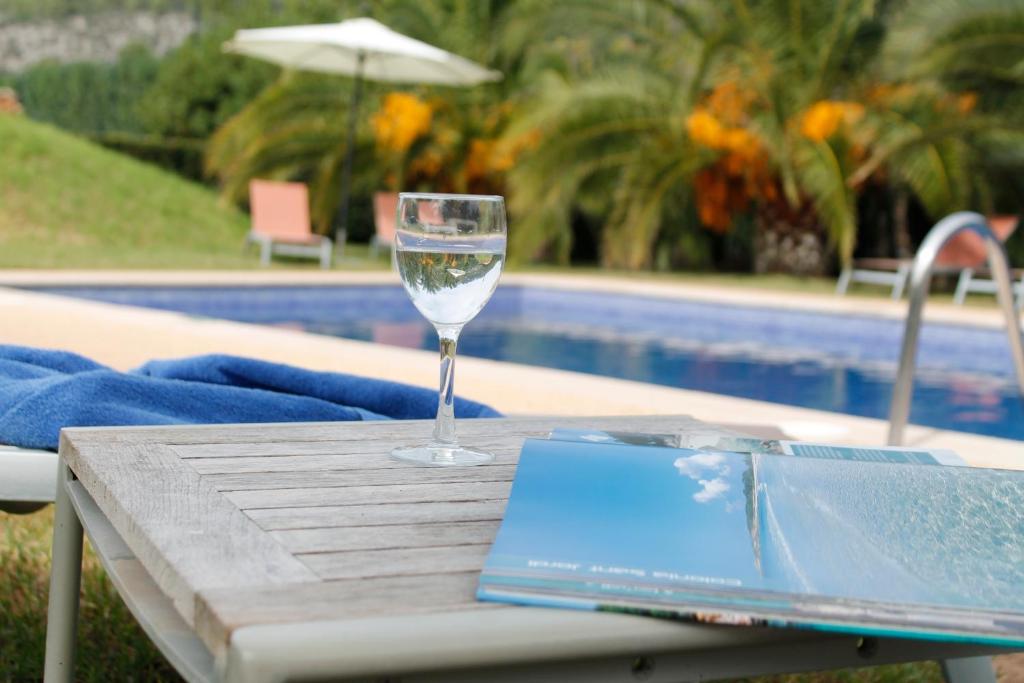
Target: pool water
(816, 360)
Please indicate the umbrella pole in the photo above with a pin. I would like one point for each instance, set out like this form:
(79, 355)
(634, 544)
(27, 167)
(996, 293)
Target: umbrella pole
(341, 233)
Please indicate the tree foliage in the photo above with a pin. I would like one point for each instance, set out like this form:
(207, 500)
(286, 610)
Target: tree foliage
(820, 106)
(88, 97)
(296, 128)
(197, 88)
(664, 126)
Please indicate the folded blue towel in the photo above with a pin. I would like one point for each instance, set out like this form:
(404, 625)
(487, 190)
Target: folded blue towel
(42, 391)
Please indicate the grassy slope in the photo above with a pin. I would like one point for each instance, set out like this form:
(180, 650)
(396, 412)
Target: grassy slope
(65, 202)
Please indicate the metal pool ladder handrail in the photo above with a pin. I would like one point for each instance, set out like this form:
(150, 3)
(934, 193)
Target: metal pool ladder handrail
(920, 279)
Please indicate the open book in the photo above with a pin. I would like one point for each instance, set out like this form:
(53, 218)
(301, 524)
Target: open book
(898, 544)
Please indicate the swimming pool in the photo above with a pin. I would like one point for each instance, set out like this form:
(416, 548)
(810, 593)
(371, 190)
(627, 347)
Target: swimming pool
(840, 363)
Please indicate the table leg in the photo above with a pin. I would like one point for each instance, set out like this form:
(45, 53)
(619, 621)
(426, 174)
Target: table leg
(969, 670)
(65, 583)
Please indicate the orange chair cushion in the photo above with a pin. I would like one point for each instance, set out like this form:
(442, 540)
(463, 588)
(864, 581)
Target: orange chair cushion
(385, 211)
(280, 210)
(967, 249)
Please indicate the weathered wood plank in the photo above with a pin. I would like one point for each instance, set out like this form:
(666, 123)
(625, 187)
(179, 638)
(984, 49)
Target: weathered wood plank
(186, 534)
(368, 515)
(417, 430)
(221, 611)
(428, 535)
(269, 449)
(214, 554)
(360, 456)
(367, 477)
(354, 450)
(366, 495)
(281, 432)
(398, 562)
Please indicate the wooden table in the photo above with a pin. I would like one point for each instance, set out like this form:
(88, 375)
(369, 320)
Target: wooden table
(296, 551)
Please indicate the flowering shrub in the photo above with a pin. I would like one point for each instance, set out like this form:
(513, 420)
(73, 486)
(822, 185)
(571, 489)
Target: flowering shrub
(489, 159)
(823, 118)
(442, 146)
(401, 120)
(739, 172)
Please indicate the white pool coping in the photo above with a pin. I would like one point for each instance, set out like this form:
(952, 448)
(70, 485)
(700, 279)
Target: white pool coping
(124, 337)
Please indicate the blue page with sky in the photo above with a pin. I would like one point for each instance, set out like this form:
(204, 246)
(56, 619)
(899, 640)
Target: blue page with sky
(874, 547)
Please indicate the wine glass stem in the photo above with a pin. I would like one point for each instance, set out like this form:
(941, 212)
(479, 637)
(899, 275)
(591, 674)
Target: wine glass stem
(444, 425)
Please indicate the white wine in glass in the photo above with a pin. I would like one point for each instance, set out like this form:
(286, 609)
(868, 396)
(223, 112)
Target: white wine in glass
(450, 251)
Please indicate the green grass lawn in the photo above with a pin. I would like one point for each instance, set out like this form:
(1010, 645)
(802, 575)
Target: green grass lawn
(66, 202)
(112, 647)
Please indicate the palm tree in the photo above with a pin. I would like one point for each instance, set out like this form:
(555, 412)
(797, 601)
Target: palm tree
(783, 110)
(976, 49)
(611, 111)
(295, 128)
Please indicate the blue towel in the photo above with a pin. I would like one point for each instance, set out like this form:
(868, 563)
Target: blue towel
(42, 391)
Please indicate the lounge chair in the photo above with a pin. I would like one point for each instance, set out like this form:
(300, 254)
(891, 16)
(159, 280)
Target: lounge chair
(385, 210)
(890, 272)
(280, 222)
(963, 255)
(1003, 227)
(28, 479)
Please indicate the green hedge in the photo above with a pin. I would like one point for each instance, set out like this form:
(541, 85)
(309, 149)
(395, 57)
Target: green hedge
(88, 97)
(183, 156)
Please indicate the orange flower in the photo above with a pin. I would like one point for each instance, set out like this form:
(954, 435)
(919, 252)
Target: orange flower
(734, 164)
(741, 172)
(704, 128)
(966, 102)
(493, 156)
(478, 160)
(889, 95)
(428, 164)
(503, 158)
(401, 120)
(821, 120)
(741, 142)
(728, 103)
(712, 194)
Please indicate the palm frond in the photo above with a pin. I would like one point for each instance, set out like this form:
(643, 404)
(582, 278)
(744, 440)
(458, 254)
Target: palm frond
(822, 176)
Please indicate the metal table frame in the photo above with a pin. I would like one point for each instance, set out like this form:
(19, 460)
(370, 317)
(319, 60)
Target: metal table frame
(505, 647)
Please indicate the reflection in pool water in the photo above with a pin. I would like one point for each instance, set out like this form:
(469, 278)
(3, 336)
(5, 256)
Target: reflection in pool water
(817, 360)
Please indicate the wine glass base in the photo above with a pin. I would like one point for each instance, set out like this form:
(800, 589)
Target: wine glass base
(441, 456)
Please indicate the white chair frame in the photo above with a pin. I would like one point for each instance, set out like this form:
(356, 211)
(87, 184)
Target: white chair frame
(28, 479)
(969, 283)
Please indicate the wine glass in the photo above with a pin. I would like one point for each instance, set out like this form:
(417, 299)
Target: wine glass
(450, 250)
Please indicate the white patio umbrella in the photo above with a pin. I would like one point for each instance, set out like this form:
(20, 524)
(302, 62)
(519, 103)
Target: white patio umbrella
(361, 48)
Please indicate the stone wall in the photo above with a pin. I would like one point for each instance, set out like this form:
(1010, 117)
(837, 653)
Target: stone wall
(99, 37)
